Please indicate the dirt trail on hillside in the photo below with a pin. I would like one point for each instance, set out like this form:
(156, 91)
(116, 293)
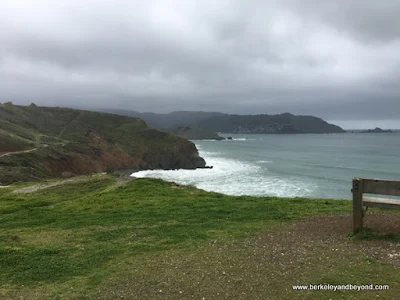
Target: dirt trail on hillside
(37, 187)
(66, 125)
(18, 152)
(24, 151)
(42, 186)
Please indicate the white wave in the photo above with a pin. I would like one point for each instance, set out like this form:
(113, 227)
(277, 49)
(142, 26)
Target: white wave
(205, 140)
(240, 139)
(243, 139)
(232, 177)
(207, 154)
(263, 162)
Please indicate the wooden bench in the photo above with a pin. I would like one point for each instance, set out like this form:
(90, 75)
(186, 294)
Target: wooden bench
(372, 186)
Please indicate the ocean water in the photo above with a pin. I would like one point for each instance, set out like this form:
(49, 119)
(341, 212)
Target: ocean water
(310, 165)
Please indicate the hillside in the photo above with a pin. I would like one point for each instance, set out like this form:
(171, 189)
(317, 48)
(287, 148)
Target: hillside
(43, 142)
(219, 122)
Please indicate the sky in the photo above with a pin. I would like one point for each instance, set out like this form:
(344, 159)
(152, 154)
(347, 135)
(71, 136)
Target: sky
(338, 60)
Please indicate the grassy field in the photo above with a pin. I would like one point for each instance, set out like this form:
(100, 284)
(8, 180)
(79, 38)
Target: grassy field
(104, 238)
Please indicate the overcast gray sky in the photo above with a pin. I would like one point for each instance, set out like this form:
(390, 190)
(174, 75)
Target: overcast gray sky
(339, 60)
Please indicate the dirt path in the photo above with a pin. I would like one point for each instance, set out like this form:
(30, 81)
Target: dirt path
(66, 125)
(42, 186)
(25, 151)
(37, 187)
(19, 152)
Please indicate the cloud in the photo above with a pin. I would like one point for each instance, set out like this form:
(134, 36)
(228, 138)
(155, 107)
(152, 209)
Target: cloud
(335, 59)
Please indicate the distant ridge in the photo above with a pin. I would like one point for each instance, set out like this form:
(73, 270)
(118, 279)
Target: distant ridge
(377, 130)
(219, 122)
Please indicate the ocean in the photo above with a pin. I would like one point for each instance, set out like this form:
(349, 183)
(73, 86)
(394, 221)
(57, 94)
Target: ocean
(302, 165)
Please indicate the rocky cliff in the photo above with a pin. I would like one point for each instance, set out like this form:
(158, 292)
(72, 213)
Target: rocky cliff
(43, 142)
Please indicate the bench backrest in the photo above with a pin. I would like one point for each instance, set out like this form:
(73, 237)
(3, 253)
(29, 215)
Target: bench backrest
(376, 186)
(372, 186)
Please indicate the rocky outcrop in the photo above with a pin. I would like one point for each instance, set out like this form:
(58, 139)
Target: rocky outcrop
(187, 157)
(180, 153)
(103, 157)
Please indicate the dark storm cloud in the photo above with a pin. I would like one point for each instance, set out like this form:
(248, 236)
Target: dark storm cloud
(335, 59)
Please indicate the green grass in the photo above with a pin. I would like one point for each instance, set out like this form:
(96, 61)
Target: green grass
(369, 234)
(80, 234)
(9, 142)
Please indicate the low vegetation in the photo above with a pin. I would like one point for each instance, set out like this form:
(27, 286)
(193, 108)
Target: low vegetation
(108, 237)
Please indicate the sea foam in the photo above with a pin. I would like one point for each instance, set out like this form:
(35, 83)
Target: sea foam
(232, 177)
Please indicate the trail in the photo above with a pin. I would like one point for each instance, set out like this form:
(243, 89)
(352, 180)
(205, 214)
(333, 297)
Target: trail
(24, 151)
(19, 152)
(83, 178)
(42, 186)
(66, 125)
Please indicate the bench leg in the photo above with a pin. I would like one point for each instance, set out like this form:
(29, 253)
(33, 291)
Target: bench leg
(358, 212)
(365, 209)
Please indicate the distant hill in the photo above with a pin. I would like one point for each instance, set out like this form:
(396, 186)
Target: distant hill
(44, 142)
(219, 122)
(377, 130)
(275, 124)
(170, 120)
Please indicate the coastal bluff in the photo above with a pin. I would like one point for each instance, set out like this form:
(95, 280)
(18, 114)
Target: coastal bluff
(46, 142)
